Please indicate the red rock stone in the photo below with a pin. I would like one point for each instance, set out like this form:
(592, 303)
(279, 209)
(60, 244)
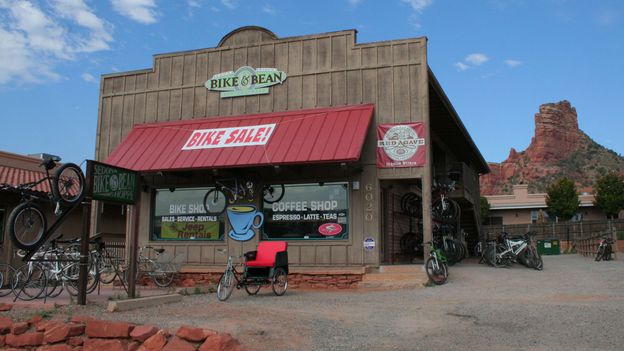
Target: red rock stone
(57, 347)
(219, 342)
(75, 341)
(177, 344)
(143, 332)
(26, 339)
(191, 334)
(35, 320)
(155, 343)
(5, 307)
(134, 346)
(106, 329)
(188, 282)
(2, 339)
(45, 325)
(104, 344)
(81, 319)
(19, 328)
(5, 325)
(61, 332)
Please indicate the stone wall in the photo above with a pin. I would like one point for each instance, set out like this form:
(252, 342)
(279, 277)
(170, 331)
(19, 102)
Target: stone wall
(88, 334)
(295, 280)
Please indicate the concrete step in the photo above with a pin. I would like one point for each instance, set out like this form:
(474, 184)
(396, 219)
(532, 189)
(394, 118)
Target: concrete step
(390, 286)
(395, 277)
(401, 268)
(390, 277)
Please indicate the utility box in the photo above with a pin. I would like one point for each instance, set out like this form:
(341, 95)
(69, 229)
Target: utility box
(548, 247)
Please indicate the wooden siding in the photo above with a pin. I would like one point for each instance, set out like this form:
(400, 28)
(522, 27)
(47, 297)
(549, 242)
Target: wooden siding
(323, 70)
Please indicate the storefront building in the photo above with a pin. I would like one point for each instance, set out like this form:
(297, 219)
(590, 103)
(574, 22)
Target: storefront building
(342, 129)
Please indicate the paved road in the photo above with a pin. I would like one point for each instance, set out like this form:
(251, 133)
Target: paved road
(574, 304)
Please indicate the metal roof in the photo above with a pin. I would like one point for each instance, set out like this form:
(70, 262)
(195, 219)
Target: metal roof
(322, 135)
(16, 176)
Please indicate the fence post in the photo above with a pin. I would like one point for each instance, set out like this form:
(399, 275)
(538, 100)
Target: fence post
(615, 243)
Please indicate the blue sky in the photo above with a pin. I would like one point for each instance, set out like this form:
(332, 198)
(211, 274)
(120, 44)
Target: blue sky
(497, 60)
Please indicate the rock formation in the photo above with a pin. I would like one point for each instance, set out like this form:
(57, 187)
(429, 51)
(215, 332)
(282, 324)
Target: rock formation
(558, 148)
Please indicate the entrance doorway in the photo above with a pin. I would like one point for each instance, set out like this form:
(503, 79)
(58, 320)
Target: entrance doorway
(401, 222)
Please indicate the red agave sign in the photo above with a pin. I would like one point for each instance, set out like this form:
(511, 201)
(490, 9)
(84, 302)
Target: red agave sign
(401, 145)
(229, 137)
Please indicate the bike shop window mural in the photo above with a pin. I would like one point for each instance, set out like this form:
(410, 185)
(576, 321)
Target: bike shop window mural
(317, 211)
(401, 145)
(179, 215)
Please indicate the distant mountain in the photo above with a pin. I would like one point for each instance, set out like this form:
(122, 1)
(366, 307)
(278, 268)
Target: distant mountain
(558, 148)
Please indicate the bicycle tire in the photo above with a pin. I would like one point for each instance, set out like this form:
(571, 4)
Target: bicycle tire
(607, 253)
(279, 284)
(68, 184)
(215, 202)
(252, 289)
(599, 254)
(54, 287)
(7, 273)
(437, 276)
(161, 276)
(27, 225)
(411, 204)
(273, 193)
(30, 283)
(106, 268)
(225, 286)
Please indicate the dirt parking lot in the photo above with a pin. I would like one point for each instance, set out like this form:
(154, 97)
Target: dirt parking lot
(574, 304)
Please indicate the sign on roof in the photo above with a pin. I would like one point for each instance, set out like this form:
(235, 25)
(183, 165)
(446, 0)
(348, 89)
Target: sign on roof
(245, 81)
(229, 137)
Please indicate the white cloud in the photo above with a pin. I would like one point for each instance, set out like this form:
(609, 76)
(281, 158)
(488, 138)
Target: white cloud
(418, 5)
(513, 63)
(230, 4)
(142, 11)
(476, 59)
(193, 3)
(461, 66)
(34, 38)
(87, 77)
(268, 9)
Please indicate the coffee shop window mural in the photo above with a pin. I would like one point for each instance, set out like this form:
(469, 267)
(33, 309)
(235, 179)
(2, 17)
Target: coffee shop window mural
(315, 211)
(179, 215)
(243, 220)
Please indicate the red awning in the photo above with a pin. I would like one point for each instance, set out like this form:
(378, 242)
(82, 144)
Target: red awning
(16, 176)
(306, 136)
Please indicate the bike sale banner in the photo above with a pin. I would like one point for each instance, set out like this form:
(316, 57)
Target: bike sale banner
(401, 145)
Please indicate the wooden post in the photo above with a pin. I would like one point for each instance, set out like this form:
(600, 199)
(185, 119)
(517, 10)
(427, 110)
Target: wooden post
(84, 253)
(133, 245)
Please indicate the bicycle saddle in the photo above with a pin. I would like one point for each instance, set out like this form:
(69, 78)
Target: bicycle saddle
(48, 163)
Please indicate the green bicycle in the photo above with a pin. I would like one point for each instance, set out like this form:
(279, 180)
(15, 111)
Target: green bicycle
(436, 265)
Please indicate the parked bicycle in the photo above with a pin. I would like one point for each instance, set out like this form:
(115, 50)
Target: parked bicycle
(443, 208)
(504, 251)
(27, 222)
(604, 249)
(436, 265)
(161, 269)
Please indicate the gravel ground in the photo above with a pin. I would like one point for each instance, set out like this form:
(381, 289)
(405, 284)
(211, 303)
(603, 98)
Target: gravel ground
(574, 304)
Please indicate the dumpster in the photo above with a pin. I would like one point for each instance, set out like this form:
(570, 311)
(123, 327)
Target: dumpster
(548, 247)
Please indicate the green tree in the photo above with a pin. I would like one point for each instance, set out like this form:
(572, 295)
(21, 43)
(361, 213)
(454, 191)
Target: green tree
(484, 209)
(609, 194)
(562, 199)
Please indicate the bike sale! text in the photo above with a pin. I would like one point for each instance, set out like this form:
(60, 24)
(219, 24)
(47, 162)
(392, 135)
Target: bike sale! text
(229, 137)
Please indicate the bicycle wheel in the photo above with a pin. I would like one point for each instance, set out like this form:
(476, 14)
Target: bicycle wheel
(71, 285)
(437, 274)
(445, 210)
(600, 253)
(27, 225)
(107, 266)
(7, 277)
(162, 275)
(273, 193)
(411, 205)
(30, 282)
(252, 289)
(280, 282)
(215, 202)
(225, 286)
(68, 184)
